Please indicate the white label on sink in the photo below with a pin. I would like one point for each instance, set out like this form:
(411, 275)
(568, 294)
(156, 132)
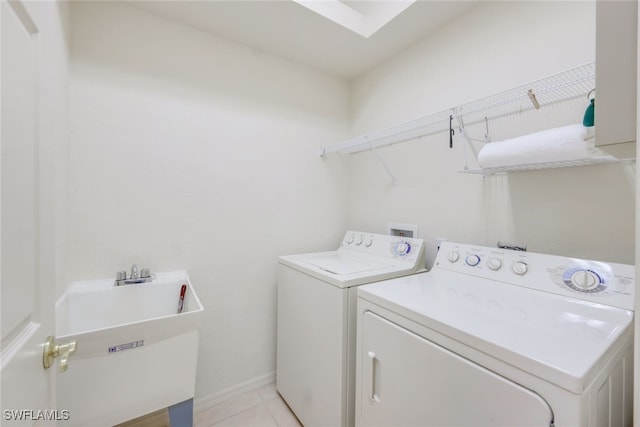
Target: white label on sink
(127, 346)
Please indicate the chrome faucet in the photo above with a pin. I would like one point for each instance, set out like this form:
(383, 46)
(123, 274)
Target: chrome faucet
(144, 276)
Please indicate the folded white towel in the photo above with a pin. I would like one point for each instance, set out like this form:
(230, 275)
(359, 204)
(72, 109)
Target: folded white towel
(551, 145)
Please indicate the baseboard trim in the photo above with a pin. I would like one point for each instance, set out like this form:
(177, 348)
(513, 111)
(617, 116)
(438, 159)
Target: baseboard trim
(205, 402)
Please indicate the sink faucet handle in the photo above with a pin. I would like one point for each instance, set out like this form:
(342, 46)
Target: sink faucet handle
(121, 275)
(145, 272)
(134, 271)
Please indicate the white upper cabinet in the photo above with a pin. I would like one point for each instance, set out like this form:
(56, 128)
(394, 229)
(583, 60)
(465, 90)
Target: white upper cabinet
(616, 73)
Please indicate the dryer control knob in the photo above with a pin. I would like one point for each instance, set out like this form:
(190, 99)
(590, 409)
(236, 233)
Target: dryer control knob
(472, 260)
(359, 239)
(520, 268)
(494, 264)
(368, 242)
(350, 239)
(585, 279)
(453, 256)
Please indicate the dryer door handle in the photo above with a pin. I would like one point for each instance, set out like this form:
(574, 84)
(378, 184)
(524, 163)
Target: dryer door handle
(374, 378)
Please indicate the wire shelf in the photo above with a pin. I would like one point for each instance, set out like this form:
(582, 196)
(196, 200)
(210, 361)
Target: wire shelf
(560, 87)
(548, 165)
(557, 88)
(564, 91)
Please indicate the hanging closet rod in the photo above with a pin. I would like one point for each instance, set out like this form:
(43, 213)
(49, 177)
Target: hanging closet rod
(413, 129)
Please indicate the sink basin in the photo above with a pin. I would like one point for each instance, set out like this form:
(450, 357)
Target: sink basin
(135, 353)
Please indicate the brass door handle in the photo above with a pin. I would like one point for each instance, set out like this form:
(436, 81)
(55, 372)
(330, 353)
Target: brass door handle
(52, 350)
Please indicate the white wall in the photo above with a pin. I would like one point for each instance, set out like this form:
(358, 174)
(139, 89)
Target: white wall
(191, 152)
(585, 212)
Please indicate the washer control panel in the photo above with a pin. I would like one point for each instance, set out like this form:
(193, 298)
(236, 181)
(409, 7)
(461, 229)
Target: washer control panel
(603, 282)
(384, 245)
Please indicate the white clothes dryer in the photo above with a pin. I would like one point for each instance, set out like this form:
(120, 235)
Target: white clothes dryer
(317, 320)
(495, 337)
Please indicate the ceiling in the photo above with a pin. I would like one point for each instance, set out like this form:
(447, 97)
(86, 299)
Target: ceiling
(291, 30)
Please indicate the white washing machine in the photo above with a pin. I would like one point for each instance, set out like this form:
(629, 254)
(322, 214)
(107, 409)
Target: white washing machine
(494, 337)
(317, 320)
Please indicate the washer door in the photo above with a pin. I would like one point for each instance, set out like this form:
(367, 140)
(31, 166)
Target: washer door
(406, 380)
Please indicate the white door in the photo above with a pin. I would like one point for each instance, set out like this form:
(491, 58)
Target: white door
(407, 381)
(27, 392)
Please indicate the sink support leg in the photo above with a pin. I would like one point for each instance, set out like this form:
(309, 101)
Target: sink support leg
(181, 414)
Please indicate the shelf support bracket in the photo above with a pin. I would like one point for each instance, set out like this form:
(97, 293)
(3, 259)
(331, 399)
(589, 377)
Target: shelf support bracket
(384, 165)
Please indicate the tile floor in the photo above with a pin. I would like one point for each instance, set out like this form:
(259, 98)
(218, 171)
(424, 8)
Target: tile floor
(258, 408)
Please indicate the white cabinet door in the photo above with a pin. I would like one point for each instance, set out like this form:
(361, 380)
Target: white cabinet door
(409, 381)
(616, 75)
(27, 391)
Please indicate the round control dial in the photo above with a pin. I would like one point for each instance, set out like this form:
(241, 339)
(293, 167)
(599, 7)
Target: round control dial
(520, 268)
(358, 240)
(402, 248)
(350, 239)
(494, 264)
(472, 260)
(368, 242)
(453, 256)
(584, 280)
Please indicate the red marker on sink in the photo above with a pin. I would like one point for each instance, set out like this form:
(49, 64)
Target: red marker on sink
(183, 290)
